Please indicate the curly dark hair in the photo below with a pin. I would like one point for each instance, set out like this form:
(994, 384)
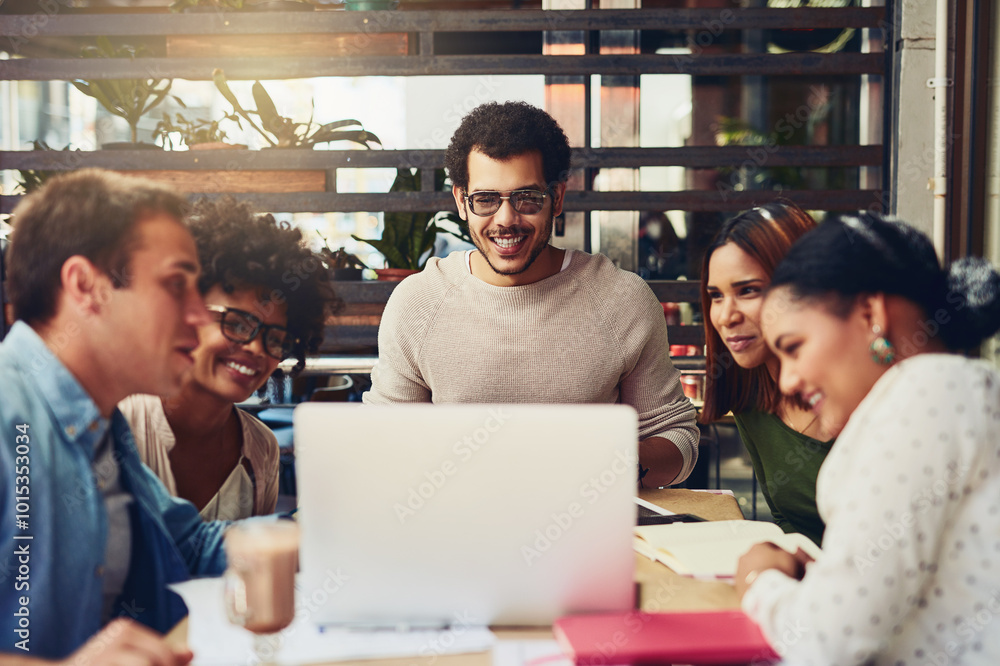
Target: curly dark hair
(239, 247)
(502, 131)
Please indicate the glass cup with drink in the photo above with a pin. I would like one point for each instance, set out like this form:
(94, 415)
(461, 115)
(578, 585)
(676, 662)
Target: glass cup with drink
(260, 581)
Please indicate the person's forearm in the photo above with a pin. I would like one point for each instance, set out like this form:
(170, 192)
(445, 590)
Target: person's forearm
(662, 460)
(18, 660)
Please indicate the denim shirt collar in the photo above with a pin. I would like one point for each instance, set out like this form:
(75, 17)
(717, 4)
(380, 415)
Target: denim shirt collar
(71, 406)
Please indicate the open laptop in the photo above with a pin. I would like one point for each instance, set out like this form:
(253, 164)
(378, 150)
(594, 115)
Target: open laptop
(424, 515)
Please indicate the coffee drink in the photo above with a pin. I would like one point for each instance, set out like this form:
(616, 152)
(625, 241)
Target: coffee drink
(260, 581)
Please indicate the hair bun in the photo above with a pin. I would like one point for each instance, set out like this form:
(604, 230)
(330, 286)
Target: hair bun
(974, 299)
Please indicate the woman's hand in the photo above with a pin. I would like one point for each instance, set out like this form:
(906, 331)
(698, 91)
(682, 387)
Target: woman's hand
(766, 555)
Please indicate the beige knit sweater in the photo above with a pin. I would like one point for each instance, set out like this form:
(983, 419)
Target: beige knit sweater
(591, 333)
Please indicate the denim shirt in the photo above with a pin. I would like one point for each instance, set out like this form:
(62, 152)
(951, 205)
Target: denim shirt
(53, 523)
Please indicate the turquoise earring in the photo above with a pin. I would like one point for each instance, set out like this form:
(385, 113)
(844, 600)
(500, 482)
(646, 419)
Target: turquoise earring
(882, 350)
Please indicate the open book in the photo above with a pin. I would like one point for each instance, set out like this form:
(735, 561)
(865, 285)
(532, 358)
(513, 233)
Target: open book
(712, 549)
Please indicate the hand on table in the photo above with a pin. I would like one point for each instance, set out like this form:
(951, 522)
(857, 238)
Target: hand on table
(124, 642)
(766, 555)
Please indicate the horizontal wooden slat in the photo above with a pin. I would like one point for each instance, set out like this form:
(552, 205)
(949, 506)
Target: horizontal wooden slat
(686, 335)
(349, 339)
(686, 156)
(328, 364)
(698, 201)
(716, 156)
(300, 45)
(365, 291)
(355, 320)
(239, 182)
(676, 291)
(200, 69)
(264, 23)
(706, 201)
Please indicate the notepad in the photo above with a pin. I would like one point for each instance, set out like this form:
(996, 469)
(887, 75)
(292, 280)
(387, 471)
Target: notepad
(712, 549)
(690, 637)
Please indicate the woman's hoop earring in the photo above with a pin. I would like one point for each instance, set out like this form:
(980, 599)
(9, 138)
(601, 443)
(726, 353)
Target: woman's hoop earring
(882, 350)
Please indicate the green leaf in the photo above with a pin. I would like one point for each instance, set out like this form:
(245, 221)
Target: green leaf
(105, 47)
(393, 256)
(360, 137)
(268, 113)
(219, 77)
(337, 124)
(158, 97)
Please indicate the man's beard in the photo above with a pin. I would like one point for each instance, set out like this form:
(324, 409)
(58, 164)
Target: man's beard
(535, 251)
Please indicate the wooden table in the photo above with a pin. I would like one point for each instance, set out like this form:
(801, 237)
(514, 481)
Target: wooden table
(659, 588)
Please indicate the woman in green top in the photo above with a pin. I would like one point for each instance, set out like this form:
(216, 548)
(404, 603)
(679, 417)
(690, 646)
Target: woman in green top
(783, 437)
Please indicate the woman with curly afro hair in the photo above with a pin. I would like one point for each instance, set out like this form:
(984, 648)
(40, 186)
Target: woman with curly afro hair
(268, 296)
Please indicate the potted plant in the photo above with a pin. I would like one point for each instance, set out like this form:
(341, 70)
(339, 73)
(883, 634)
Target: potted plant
(32, 179)
(345, 266)
(197, 134)
(407, 240)
(283, 132)
(737, 132)
(126, 98)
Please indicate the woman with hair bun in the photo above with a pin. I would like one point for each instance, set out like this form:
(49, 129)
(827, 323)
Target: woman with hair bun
(784, 439)
(268, 296)
(863, 320)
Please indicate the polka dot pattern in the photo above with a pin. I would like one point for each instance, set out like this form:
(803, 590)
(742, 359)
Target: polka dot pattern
(911, 496)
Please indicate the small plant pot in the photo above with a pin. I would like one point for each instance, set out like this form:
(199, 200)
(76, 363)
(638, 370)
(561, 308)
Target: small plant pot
(394, 274)
(346, 274)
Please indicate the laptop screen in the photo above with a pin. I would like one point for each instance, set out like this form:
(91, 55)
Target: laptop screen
(432, 515)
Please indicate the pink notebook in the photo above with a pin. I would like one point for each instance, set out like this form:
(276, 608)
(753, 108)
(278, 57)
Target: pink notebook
(694, 637)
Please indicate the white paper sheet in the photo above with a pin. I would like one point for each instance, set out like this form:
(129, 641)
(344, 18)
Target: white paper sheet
(529, 653)
(215, 641)
(654, 508)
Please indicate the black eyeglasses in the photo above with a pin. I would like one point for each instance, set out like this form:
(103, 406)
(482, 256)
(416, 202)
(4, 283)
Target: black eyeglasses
(487, 202)
(242, 327)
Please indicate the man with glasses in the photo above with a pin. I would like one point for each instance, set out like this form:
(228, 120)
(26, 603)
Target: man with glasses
(267, 296)
(518, 320)
(103, 279)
